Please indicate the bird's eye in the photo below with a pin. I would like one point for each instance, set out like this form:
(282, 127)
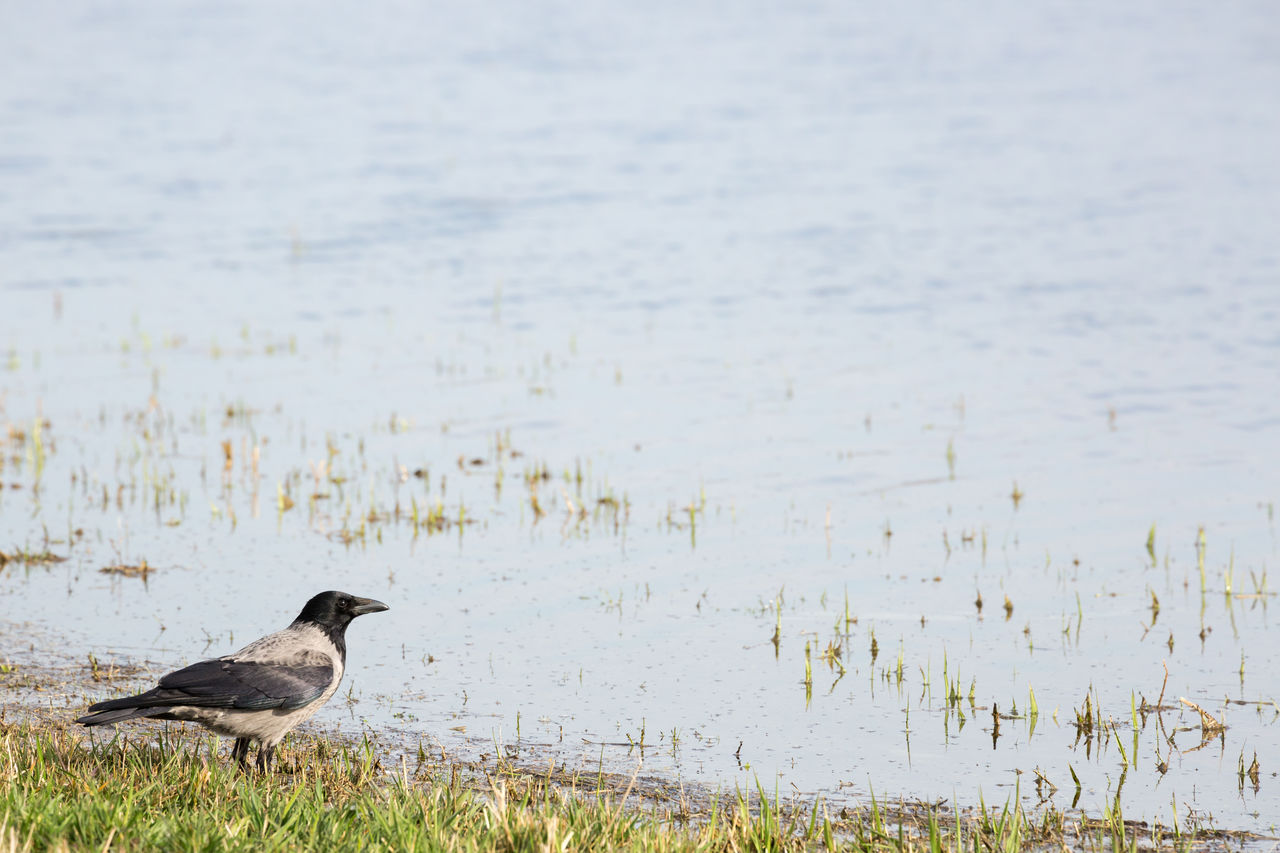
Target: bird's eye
(344, 603)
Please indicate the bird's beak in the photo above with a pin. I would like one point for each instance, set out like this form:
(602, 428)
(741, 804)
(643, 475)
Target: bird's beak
(367, 605)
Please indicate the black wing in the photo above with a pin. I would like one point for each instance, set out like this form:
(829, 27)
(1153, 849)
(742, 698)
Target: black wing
(242, 685)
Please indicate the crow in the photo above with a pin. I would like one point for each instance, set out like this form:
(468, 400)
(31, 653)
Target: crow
(260, 692)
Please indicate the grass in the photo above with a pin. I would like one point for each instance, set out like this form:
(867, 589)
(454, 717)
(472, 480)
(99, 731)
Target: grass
(26, 556)
(170, 789)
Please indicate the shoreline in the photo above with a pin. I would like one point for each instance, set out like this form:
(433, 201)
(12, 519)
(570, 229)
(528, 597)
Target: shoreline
(41, 702)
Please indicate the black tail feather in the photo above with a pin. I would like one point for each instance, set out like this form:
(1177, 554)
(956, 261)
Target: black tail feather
(119, 715)
(141, 700)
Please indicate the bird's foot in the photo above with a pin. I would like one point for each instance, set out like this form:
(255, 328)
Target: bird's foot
(240, 752)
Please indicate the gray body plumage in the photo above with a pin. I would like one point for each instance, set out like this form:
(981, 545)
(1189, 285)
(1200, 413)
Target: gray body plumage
(261, 692)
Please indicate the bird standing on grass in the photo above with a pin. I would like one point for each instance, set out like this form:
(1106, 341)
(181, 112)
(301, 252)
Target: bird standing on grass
(260, 692)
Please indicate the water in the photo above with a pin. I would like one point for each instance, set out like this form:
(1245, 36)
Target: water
(767, 263)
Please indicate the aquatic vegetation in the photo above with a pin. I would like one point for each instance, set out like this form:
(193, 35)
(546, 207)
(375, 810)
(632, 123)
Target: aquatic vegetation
(525, 535)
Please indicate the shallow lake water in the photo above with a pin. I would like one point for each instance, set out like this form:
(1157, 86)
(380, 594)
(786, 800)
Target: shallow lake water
(609, 345)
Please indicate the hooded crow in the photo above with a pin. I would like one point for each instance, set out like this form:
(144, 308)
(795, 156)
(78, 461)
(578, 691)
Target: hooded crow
(260, 692)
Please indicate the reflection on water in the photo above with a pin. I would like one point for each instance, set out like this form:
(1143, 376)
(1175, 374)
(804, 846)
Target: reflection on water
(609, 345)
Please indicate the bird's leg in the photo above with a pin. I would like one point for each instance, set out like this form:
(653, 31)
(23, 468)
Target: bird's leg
(240, 752)
(265, 754)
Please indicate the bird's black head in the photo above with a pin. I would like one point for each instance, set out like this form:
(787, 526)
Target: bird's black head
(333, 612)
